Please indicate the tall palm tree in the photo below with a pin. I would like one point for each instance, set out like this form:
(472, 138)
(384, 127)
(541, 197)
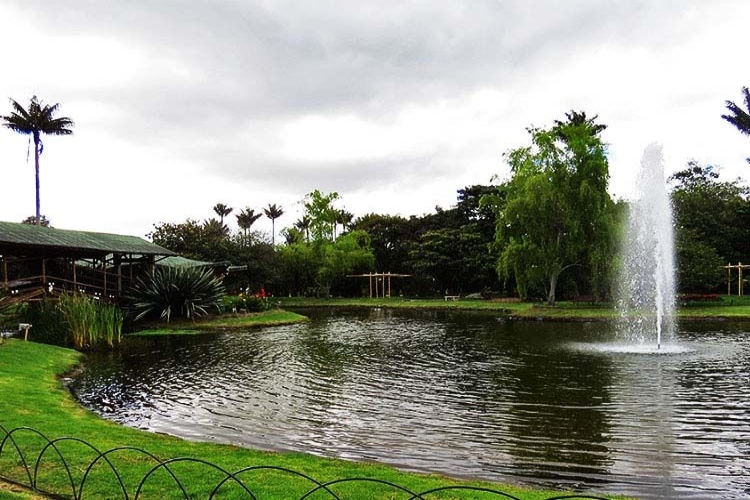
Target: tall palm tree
(303, 225)
(740, 118)
(38, 119)
(222, 211)
(246, 218)
(273, 212)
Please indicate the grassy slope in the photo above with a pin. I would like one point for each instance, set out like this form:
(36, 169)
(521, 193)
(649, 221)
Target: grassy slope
(33, 396)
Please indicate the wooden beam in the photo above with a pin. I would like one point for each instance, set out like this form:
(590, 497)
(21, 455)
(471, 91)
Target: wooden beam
(5, 273)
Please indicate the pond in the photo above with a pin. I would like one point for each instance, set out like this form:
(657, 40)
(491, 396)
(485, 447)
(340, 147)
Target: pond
(465, 394)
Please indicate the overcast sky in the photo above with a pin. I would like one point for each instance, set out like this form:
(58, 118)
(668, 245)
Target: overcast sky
(180, 104)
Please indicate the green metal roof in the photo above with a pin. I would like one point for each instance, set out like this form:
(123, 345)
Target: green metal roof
(24, 237)
(178, 261)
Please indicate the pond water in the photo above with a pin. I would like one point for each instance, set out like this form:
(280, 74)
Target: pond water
(464, 394)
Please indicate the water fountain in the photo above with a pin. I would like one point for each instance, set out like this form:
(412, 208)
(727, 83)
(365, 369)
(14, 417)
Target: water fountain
(647, 282)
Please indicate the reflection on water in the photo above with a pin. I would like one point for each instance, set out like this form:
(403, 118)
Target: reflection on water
(460, 393)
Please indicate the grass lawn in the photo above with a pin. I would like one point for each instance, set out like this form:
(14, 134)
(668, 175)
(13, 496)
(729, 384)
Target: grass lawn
(33, 396)
(727, 307)
(224, 322)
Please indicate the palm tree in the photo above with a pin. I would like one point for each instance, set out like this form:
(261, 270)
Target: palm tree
(37, 120)
(222, 211)
(741, 118)
(273, 212)
(246, 218)
(303, 225)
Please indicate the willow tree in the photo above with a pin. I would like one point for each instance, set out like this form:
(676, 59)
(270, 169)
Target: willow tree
(557, 213)
(38, 119)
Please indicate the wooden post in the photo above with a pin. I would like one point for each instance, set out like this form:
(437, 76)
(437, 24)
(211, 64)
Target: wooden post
(118, 266)
(740, 288)
(44, 273)
(389, 284)
(729, 280)
(377, 295)
(75, 276)
(5, 273)
(370, 278)
(104, 270)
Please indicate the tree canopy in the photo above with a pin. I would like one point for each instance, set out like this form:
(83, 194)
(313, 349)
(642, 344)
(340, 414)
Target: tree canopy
(557, 213)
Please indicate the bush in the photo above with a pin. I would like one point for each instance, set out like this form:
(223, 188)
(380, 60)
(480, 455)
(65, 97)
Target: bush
(48, 324)
(174, 291)
(245, 302)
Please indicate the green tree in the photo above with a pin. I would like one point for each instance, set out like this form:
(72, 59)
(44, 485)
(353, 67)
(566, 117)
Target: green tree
(303, 226)
(711, 220)
(38, 119)
(557, 213)
(245, 220)
(319, 208)
(222, 211)
(739, 117)
(273, 212)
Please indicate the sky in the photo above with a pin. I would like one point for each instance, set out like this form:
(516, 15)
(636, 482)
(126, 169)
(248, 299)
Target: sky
(182, 104)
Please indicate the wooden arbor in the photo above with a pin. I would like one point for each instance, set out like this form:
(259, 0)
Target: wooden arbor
(381, 282)
(740, 288)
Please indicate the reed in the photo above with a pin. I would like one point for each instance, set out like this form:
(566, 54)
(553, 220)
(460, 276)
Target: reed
(91, 322)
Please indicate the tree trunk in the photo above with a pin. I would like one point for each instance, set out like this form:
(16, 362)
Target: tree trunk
(552, 287)
(273, 232)
(36, 169)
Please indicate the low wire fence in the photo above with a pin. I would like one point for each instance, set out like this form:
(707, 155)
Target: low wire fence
(71, 468)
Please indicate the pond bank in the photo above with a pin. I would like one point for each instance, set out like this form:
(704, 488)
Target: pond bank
(734, 308)
(224, 322)
(34, 396)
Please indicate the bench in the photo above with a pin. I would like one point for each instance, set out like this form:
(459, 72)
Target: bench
(452, 297)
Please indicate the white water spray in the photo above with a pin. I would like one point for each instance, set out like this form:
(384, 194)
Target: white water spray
(647, 284)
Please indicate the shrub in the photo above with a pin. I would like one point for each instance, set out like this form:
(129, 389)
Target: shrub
(48, 324)
(245, 301)
(175, 291)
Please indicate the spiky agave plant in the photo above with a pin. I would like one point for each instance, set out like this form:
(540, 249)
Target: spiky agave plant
(175, 291)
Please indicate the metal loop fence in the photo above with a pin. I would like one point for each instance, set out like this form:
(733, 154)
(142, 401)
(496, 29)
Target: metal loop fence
(70, 468)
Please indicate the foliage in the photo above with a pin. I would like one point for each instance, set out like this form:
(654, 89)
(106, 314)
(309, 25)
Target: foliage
(49, 325)
(222, 211)
(91, 323)
(31, 221)
(711, 221)
(203, 241)
(245, 220)
(246, 302)
(699, 267)
(739, 117)
(557, 213)
(169, 292)
(38, 119)
(322, 215)
(315, 267)
(273, 212)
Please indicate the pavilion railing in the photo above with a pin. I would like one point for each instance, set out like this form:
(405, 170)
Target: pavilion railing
(70, 468)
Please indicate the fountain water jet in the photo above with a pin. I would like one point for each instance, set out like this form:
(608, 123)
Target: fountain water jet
(647, 284)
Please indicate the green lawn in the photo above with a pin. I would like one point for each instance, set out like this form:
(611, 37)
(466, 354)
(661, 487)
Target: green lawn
(32, 395)
(726, 307)
(224, 322)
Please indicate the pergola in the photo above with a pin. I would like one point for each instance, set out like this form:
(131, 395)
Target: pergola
(739, 266)
(34, 259)
(380, 291)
